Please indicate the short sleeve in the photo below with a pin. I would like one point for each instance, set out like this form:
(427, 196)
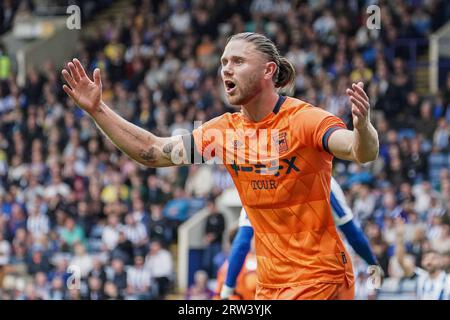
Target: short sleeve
(204, 142)
(316, 126)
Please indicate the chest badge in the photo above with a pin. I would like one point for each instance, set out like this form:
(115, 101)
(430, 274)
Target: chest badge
(280, 141)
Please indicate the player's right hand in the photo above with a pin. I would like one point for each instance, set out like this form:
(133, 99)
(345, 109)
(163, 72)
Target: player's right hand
(87, 94)
(360, 106)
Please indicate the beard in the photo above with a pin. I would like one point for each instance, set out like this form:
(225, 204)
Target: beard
(246, 91)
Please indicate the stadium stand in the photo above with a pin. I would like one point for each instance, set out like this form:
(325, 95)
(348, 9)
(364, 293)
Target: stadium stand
(68, 197)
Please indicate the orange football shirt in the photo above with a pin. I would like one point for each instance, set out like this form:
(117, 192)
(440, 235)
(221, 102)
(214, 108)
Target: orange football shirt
(286, 192)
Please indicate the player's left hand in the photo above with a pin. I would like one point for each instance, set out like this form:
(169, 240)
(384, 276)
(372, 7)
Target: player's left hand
(226, 293)
(376, 276)
(360, 106)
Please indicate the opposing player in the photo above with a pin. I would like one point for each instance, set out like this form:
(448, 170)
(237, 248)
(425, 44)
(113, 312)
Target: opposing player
(432, 281)
(343, 218)
(245, 281)
(285, 193)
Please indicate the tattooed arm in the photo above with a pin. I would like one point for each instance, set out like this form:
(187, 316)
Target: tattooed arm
(137, 143)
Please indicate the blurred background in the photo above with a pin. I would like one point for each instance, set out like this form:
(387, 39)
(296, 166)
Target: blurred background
(79, 220)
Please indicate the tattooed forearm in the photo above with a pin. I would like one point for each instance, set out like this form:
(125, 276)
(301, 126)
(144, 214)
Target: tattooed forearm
(131, 133)
(148, 155)
(168, 148)
(139, 144)
(173, 151)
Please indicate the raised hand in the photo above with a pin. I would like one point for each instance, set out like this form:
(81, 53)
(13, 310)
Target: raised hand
(87, 94)
(360, 106)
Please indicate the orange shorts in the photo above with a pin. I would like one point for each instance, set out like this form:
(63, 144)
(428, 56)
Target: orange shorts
(316, 291)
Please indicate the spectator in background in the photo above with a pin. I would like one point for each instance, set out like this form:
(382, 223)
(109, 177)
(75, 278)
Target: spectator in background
(56, 186)
(85, 218)
(140, 215)
(423, 193)
(418, 245)
(427, 124)
(110, 234)
(360, 72)
(5, 251)
(57, 290)
(414, 228)
(17, 221)
(61, 271)
(435, 228)
(5, 256)
(135, 232)
(115, 191)
(177, 209)
(221, 180)
(30, 292)
(159, 262)
(390, 209)
(441, 137)
(124, 249)
(199, 289)
(95, 289)
(98, 270)
(155, 194)
(38, 263)
(379, 246)
(118, 276)
(71, 233)
(433, 283)
(5, 61)
(214, 228)
(139, 281)
(112, 292)
(441, 243)
(199, 182)
(37, 223)
(82, 260)
(180, 20)
(364, 201)
(159, 227)
(42, 287)
(74, 294)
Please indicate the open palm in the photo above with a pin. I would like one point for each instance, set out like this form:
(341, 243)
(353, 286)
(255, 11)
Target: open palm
(87, 94)
(360, 105)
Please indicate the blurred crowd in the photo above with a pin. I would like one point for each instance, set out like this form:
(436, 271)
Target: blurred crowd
(14, 11)
(79, 220)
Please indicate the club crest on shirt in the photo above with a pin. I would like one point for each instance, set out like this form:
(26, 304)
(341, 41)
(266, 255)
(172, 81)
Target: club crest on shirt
(280, 141)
